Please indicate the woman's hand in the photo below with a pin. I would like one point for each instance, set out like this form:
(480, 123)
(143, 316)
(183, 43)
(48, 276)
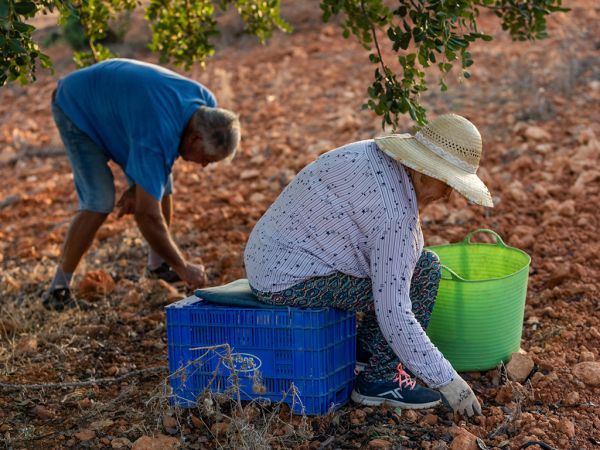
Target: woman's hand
(460, 397)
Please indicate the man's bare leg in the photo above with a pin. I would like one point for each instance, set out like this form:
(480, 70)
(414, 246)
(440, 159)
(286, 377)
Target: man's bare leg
(79, 238)
(166, 205)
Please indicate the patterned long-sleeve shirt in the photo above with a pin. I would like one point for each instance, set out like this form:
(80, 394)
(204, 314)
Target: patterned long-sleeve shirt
(354, 211)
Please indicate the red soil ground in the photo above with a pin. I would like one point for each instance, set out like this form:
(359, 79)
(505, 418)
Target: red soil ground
(536, 105)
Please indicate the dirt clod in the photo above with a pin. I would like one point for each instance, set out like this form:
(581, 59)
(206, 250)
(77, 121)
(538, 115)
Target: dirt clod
(85, 435)
(519, 367)
(159, 442)
(588, 372)
(379, 444)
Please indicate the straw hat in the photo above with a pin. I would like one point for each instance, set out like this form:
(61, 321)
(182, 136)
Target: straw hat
(448, 149)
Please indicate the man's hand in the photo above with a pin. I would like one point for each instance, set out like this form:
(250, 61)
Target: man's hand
(127, 202)
(193, 274)
(460, 397)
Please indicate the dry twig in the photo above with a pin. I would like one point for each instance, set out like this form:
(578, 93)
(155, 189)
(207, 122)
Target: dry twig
(10, 386)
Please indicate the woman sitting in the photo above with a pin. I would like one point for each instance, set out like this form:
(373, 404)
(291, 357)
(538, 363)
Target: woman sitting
(346, 234)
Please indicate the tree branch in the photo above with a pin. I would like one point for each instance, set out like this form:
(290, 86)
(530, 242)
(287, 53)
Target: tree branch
(75, 384)
(372, 27)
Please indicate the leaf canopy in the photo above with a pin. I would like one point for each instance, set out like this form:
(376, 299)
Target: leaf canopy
(422, 35)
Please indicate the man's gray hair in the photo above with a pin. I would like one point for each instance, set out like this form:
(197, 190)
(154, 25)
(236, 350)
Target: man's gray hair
(220, 130)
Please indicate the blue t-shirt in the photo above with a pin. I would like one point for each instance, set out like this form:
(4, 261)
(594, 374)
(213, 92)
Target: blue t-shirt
(136, 112)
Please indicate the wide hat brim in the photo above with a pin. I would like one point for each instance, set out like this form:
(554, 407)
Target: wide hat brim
(410, 152)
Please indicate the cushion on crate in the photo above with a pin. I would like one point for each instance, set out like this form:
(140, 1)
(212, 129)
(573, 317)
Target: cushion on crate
(237, 293)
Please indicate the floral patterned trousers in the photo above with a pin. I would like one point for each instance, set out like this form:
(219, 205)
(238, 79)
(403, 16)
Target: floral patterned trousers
(351, 293)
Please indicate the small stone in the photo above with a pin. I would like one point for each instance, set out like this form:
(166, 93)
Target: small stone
(410, 415)
(96, 284)
(85, 435)
(11, 284)
(170, 424)
(516, 191)
(8, 327)
(42, 412)
(26, 345)
(536, 378)
(101, 424)
(505, 394)
(90, 330)
(519, 367)
(430, 419)
(588, 372)
(132, 298)
(85, 403)
(463, 440)
(586, 356)
(549, 311)
(360, 414)
(248, 174)
(439, 445)
(461, 216)
(543, 148)
(571, 399)
(120, 443)
(533, 133)
(379, 444)
(197, 422)
(160, 442)
(537, 432)
(219, 428)
(567, 208)
(567, 427)
(563, 443)
(257, 197)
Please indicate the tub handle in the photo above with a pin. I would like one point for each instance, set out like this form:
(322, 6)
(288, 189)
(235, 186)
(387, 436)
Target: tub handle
(499, 241)
(453, 275)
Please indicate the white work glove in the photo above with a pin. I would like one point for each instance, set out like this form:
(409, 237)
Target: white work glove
(460, 397)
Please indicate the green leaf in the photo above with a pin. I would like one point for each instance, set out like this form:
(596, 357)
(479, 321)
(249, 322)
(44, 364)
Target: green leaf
(4, 8)
(405, 40)
(16, 46)
(23, 27)
(25, 8)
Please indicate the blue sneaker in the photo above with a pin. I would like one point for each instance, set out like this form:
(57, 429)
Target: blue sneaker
(407, 395)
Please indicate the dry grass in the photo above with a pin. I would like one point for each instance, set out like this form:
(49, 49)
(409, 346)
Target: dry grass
(231, 422)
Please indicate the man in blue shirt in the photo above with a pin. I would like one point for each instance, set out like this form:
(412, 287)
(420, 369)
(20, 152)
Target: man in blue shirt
(142, 117)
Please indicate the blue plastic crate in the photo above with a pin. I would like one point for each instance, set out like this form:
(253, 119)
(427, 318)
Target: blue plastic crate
(315, 349)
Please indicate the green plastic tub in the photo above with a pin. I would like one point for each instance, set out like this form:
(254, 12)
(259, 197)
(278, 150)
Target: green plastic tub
(477, 319)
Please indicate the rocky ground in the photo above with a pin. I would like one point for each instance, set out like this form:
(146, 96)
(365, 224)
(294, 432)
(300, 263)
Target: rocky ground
(537, 108)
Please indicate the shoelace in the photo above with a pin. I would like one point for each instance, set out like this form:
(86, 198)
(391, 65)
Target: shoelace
(403, 378)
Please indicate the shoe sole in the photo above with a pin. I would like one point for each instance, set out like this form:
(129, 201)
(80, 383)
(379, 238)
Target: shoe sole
(377, 401)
